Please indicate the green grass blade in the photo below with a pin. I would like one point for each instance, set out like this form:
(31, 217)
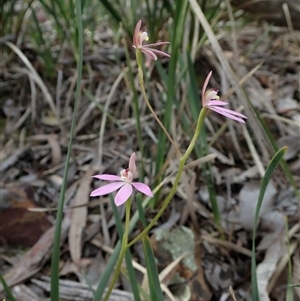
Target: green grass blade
(154, 283)
(132, 276)
(59, 216)
(283, 163)
(136, 112)
(194, 100)
(7, 289)
(153, 279)
(110, 117)
(268, 174)
(141, 212)
(44, 49)
(107, 272)
(128, 258)
(118, 18)
(180, 14)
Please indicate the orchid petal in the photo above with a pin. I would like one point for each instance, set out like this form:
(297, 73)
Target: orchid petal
(132, 166)
(149, 53)
(213, 103)
(123, 194)
(204, 88)
(107, 177)
(136, 33)
(143, 188)
(229, 113)
(156, 51)
(155, 44)
(106, 189)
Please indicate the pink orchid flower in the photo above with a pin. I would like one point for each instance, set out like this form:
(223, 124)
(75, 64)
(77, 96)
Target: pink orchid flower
(210, 100)
(124, 183)
(140, 36)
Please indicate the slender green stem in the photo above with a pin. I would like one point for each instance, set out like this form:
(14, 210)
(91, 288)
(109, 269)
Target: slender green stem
(139, 131)
(141, 78)
(58, 224)
(127, 220)
(122, 252)
(136, 112)
(177, 179)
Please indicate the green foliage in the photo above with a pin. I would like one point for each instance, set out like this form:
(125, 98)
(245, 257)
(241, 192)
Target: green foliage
(7, 289)
(153, 279)
(128, 257)
(70, 24)
(58, 223)
(11, 17)
(267, 177)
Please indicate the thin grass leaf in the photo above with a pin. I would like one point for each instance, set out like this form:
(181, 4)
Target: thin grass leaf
(100, 107)
(128, 258)
(283, 163)
(44, 49)
(154, 283)
(7, 289)
(132, 277)
(119, 18)
(179, 19)
(62, 21)
(136, 112)
(153, 276)
(57, 234)
(7, 15)
(268, 175)
(107, 272)
(194, 101)
(88, 283)
(141, 212)
(55, 14)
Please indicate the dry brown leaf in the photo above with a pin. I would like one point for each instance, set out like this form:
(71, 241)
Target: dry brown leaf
(32, 261)
(14, 215)
(79, 216)
(55, 150)
(267, 267)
